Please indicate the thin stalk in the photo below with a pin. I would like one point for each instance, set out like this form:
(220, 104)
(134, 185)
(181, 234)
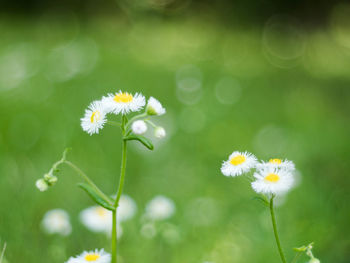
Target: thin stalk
(119, 193)
(275, 231)
(135, 118)
(114, 236)
(297, 255)
(3, 253)
(88, 180)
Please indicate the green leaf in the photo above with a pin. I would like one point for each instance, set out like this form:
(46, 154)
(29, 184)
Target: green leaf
(96, 197)
(146, 142)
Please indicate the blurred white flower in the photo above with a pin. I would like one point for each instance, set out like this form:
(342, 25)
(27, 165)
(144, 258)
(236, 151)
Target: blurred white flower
(123, 102)
(94, 118)
(96, 219)
(148, 230)
(272, 180)
(238, 163)
(159, 132)
(41, 185)
(127, 208)
(56, 221)
(160, 208)
(277, 163)
(154, 107)
(139, 127)
(97, 256)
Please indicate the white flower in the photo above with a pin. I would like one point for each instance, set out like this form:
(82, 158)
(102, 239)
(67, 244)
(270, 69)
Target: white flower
(139, 127)
(123, 102)
(271, 180)
(159, 132)
(277, 163)
(238, 163)
(154, 107)
(96, 219)
(97, 256)
(126, 209)
(94, 118)
(56, 221)
(160, 208)
(41, 185)
(314, 260)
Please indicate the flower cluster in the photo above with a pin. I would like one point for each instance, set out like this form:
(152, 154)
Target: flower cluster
(273, 177)
(122, 103)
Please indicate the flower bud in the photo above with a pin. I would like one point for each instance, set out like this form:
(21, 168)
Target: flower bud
(159, 132)
(139, 127)
(50, 179)
(42, 185)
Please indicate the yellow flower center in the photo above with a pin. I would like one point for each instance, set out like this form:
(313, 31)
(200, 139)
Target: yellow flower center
(273, 178)
(92, 257)
(101, 211)
(95, 116)
(238, 159)
(123, 97)
(275, 161)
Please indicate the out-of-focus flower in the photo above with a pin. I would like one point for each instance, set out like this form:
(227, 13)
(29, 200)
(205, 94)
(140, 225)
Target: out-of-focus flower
(272, 180)
(154, 107)
(94, 118)
(56, 221)
(160, 208)
(96, 219)
(139, 127)
(238, 163)
(41, 185)
(277, 163)
(127, 208)
(123, 102)
(159, 132)
(97, 256)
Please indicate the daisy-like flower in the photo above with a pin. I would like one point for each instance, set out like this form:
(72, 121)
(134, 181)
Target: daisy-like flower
(160, 208)
(278, 163)
(159, 132)
(238, 163)
(56, 221)
(154, 107)
(96, 219)
(123, 102)
(272, 180)
(94, 118)
(97, 256)
(139, 127)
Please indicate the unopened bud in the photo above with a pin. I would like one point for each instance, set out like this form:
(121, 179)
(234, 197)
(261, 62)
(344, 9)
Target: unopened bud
(42, 185)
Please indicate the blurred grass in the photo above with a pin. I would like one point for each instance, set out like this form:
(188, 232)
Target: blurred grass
(294, 107)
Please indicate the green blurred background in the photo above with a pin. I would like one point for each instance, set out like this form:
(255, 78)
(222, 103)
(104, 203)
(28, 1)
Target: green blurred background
(265, 77)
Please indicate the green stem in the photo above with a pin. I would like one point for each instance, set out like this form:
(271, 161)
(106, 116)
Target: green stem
(119, 193)
(297, 255)
(88, 180)
(275, 231)
(135, 118)
(3, 253)
(114, 236)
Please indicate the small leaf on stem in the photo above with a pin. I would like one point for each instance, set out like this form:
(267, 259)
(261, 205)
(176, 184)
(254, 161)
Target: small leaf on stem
(146, 142)
(96, 197)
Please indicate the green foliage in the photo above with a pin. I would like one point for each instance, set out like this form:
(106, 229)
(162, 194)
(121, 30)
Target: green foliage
(95, 196)
(142, 139)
